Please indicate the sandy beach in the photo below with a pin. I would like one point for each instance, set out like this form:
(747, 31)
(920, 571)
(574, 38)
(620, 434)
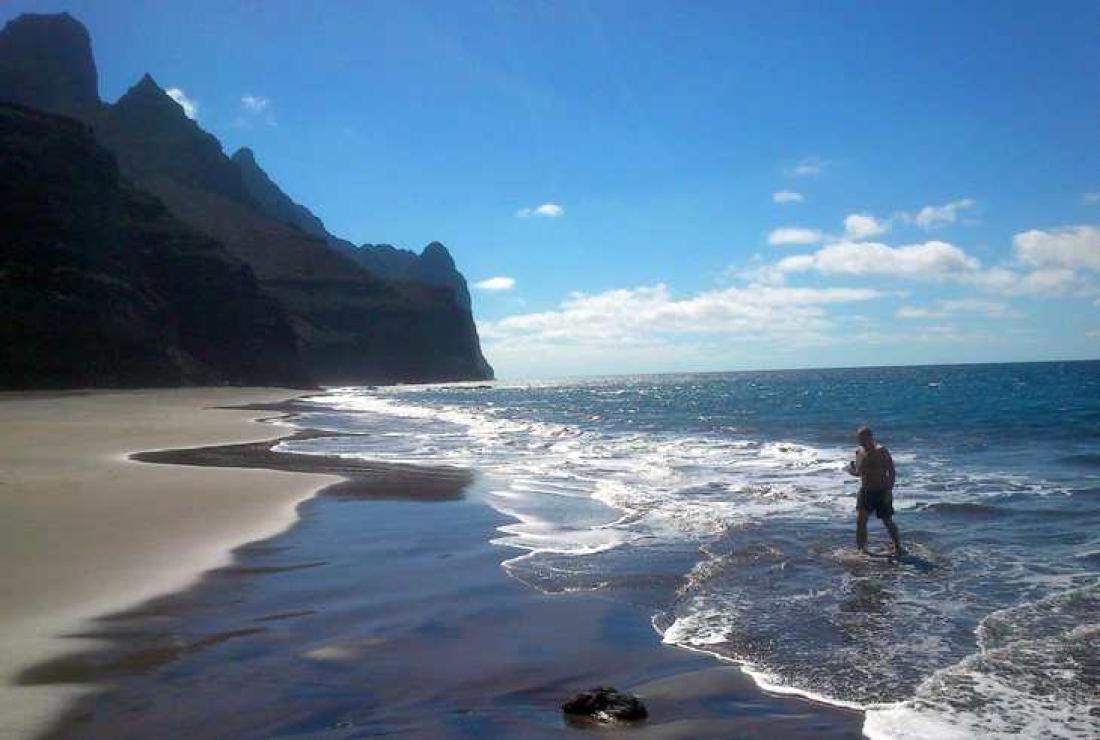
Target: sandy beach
(84, 530)
(378, 606)
(378, 614)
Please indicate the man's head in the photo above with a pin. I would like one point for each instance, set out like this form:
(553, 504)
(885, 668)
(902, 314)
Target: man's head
(865, 437)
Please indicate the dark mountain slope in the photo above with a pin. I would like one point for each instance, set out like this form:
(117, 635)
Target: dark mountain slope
(101, 286)
(434, 266)
(272, 201)
(353, 326)
(46, 63)
(151, 135)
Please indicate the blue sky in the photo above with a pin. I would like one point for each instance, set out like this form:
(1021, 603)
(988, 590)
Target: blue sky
(964, 137)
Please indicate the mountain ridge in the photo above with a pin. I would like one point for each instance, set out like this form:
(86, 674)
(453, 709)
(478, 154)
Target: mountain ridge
(352, 323)
(101, 286)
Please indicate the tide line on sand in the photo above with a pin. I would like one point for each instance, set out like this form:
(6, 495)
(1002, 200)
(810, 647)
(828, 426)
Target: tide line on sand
(85, 531)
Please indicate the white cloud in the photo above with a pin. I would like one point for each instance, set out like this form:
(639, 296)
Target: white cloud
(932, 216)
(862, 226)
(932, 260)
(650, 314)
(809, 167)
(787, 196)
(1046, 263)
(1069, 248)
(915, 312)
(546, 210)
(1051, 281)
(945, 308)
(496, 283)
(794, 235)
(1090, 199)
(190, 106)
(254, 103)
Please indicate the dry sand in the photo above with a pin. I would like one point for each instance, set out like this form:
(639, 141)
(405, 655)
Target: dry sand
(84, 530)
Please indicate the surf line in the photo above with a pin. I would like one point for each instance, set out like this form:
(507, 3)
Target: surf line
(760, 678)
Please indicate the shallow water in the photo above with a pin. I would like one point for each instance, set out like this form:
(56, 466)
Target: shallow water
(718, 503)
(392, 618)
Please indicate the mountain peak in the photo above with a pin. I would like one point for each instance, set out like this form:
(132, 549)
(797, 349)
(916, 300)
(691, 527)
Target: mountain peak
(149, 100)
(147, 89)
(436, 255)
(147, 83)
(46, 63)
(245, 155)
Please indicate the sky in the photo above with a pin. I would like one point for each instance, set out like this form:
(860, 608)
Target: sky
(667, 186)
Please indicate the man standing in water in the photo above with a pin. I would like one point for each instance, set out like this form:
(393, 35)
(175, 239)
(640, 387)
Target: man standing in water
(875, 469)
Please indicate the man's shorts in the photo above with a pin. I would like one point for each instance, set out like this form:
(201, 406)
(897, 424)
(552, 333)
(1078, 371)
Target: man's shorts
(880, 502)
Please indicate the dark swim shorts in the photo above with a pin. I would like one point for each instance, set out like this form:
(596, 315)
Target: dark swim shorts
(880, 502)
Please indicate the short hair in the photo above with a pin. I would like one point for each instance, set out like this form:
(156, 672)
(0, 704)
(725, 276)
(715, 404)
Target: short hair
(864, 432)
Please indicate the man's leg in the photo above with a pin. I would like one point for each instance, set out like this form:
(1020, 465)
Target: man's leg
(861, 529)
(893, 529)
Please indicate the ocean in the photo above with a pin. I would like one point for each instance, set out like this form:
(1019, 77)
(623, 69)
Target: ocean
(718, 503)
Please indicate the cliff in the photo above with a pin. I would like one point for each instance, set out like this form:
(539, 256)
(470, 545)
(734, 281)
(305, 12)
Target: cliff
(46, 63)
(272, 201)
(354, 327)
(433, 266)
(352, 324)
(101, 286)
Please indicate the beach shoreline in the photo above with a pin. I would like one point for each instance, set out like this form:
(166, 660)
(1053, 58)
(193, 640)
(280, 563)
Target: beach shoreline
(89, 670)
(379, 613)
(86, 530)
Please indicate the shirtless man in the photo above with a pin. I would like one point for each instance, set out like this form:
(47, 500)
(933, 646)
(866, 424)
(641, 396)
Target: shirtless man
(875, 469)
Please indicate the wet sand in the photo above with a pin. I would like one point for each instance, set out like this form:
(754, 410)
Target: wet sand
(377, 615)
(361, 478)
(85, 531)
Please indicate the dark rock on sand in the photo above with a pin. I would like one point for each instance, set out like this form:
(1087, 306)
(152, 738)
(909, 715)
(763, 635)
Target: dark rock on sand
(605, 704)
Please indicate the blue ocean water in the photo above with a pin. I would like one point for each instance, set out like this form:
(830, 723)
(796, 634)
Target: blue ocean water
(719, 502)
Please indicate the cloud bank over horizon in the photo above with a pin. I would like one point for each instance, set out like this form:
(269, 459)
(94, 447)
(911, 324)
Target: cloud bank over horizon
(848, 289)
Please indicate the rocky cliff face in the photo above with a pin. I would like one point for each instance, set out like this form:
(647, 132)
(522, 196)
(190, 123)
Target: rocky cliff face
(353, 325)
(272, 201)
(46, 63)
(152, 137)
(101, 286)
(433, 266)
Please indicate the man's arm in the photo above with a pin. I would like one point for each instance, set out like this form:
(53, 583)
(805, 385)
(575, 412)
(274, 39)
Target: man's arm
(855, 465)
(891, 474)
